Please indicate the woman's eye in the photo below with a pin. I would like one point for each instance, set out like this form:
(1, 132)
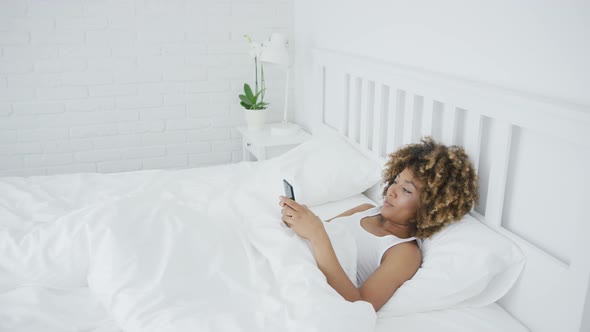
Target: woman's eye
(406, 190)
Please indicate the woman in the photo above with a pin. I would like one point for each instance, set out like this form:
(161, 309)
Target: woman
(427, 186)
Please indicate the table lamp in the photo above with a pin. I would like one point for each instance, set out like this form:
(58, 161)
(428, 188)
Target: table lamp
(275, 51)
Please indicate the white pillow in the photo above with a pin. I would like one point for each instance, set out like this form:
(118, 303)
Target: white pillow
(464, 265)
(327, 168)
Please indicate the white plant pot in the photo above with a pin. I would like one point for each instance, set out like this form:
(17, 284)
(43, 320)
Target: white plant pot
(255, 119)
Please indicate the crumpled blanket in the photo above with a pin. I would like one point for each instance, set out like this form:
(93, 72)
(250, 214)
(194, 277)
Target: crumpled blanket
(188, 250)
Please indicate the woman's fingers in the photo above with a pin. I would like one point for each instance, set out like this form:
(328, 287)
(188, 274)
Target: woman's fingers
(292, 212)
(293, 209)
(286, 222)
(286, 217)
(287, 210)
(291, 203)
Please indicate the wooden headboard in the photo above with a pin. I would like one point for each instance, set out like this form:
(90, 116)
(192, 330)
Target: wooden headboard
(532, 155)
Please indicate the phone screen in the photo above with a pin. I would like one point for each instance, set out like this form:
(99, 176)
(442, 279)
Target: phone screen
(288, 190)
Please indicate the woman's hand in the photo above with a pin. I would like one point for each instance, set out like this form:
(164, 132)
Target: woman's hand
(301, 220)
(310, 227)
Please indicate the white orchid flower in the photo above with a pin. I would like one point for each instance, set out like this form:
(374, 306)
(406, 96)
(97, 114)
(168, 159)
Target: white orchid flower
(255, 50)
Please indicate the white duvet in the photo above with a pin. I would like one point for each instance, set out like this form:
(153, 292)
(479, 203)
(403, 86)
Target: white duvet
(189, 250)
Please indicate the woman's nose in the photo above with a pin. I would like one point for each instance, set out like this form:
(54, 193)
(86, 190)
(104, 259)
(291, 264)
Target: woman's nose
(391, 191)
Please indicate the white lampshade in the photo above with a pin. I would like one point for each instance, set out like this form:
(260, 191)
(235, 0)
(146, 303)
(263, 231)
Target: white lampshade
(274, 51)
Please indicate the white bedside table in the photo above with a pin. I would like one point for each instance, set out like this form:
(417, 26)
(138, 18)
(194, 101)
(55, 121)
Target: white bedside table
(262, 144)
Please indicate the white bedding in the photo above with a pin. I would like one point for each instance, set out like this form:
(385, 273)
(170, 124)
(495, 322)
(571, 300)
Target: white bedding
(198, 249)
(490, 318)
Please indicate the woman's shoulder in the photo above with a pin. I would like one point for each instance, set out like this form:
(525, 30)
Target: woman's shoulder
(408, 252)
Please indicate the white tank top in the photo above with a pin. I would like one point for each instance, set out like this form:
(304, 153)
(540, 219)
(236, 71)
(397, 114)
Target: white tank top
(370, 248)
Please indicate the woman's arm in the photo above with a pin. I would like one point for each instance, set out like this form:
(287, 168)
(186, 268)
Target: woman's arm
(399, 263)
(362, 207)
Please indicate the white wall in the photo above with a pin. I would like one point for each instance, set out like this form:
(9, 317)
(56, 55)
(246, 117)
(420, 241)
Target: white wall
(119, 85)
(534, 46)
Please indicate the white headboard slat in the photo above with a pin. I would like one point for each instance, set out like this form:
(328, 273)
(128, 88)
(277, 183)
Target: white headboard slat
(427, 113)
(366, 101)
(472, 136)
(379, 118)
(499, 143)
(450, 124)
(353, 108)
(395, 120)
(409, 118)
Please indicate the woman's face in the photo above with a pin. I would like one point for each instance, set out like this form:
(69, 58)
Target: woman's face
(403, 198)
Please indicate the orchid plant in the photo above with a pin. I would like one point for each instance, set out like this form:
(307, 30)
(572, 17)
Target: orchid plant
(249, 100)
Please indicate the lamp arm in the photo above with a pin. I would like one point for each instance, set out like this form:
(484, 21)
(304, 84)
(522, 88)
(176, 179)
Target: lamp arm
(285, 120)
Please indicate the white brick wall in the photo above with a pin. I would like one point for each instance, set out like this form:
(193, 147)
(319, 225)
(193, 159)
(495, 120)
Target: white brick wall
(123, 85)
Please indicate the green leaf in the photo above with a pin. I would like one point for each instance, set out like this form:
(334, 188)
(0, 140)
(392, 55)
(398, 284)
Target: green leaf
(257, 95)
(248, 92)
(245, 100)
(246, 106)
(259, 106)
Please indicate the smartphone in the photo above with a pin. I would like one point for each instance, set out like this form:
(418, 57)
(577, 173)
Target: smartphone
(288, 190)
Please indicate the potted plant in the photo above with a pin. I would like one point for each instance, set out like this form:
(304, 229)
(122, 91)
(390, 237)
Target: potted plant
(253, 100)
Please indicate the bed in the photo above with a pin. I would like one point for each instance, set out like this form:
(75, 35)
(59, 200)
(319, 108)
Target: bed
(204, 249)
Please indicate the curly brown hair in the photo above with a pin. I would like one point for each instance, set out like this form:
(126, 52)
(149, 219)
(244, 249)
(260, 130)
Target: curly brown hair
(449, 182)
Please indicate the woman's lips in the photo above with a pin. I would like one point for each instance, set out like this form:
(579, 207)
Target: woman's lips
(386, 203)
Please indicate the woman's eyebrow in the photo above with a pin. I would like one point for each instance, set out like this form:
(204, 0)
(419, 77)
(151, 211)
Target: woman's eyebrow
(412, 183)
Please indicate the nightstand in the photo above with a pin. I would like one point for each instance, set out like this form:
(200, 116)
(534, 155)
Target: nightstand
(262, 144)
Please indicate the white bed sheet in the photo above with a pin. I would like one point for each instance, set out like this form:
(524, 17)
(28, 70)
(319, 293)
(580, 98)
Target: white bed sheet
(491, 318)
(200, 249)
